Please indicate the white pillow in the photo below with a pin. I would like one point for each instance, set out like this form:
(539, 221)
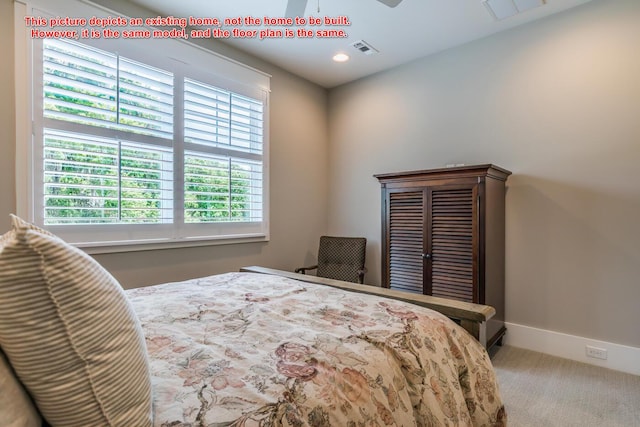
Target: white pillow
(70, 333)
(16, 408)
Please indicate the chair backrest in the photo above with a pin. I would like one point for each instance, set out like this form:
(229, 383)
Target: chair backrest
(341, 258)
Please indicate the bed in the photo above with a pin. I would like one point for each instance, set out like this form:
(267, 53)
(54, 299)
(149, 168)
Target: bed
(243, 349)
(235, 349)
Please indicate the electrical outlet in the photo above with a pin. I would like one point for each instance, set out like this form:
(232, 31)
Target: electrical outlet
(596, 352)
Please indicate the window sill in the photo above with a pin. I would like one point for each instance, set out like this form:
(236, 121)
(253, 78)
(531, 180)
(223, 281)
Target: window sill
(158, 244)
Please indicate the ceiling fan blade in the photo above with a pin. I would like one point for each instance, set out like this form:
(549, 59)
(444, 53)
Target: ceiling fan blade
(295, 8)
(390, 3)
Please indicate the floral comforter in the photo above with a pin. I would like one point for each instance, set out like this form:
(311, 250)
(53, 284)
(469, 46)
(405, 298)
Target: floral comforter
(242, 349)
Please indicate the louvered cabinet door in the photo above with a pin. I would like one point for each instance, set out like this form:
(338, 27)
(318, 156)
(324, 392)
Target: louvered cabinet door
(452, 236)
(405, 226)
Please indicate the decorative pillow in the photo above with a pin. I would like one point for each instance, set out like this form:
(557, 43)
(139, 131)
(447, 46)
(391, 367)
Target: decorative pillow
(16, 408)
(70, 333)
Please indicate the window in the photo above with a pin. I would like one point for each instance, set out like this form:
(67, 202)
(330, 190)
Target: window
(130, 149)
(226, 186)
(90, 178)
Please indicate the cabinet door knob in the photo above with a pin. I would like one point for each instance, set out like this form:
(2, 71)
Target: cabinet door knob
(426, 256)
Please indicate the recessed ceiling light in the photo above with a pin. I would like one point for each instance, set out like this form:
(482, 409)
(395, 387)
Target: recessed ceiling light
(340, 57)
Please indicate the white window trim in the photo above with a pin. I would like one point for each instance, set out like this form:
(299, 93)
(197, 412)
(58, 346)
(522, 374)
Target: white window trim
(246, 80)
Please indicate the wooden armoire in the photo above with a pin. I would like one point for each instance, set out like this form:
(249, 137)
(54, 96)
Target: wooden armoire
(443, 235)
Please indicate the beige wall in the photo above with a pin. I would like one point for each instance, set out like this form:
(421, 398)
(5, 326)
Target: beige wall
(7, 116)
(298, 174)
(557, 102)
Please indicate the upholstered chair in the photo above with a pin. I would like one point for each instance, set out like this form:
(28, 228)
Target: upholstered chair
(340, 258)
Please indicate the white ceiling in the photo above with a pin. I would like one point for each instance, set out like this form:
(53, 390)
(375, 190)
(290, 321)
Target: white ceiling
(413, 29)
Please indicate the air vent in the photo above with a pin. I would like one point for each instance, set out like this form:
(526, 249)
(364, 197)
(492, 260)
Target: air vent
(501, 9)
(364, 47)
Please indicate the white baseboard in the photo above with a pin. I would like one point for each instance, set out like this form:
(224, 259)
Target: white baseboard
(619, 357)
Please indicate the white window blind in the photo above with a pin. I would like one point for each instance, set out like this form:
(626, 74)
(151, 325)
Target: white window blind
(134, 149)
(88, 86)
(226, 186)
(91, 180)
(220, 118)
(222, 189)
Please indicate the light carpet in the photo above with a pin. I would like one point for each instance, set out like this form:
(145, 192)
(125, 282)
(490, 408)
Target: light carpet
(546, 391)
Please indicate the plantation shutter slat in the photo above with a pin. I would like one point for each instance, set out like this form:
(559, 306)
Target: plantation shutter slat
(217, 118)
(406, 241)
(222, 189)
(452, 233)
(91, 180)
(146, 99)
(79, 83)
(92, 87)
(105, 180)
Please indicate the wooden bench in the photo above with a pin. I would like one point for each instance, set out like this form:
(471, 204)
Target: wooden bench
(472, 317)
